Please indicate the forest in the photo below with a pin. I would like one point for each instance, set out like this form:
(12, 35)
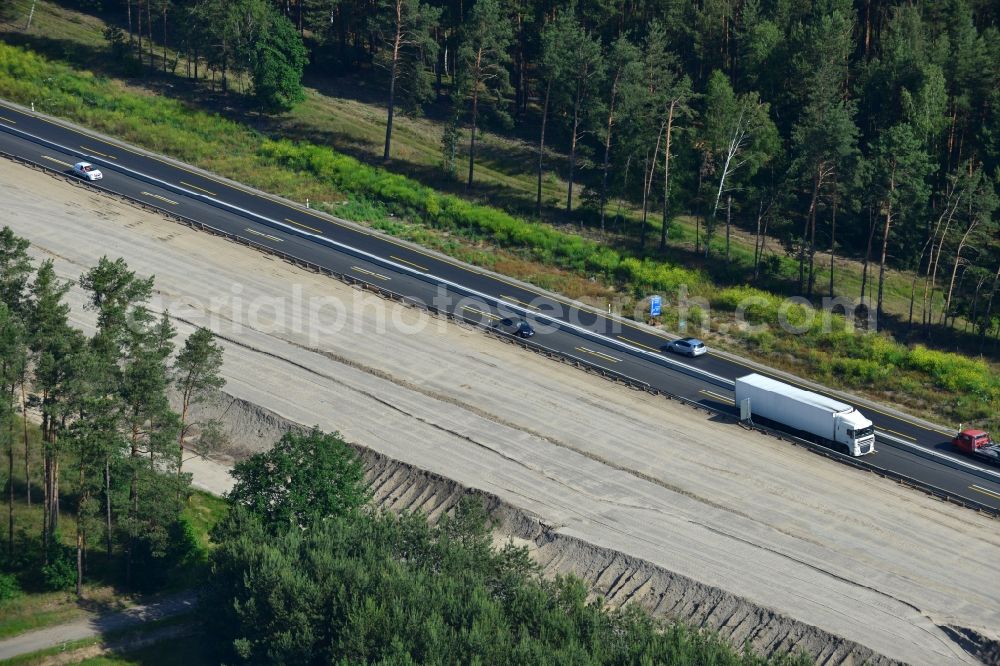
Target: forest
(95, 410)
(867, 129)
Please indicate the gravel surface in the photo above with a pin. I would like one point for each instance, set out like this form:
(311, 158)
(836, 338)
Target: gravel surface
(648, 500)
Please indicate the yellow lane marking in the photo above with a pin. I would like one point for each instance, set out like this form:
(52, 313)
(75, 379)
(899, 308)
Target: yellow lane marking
(985, 491)
(157, 196)
(639, 344)
(462, 267)
(400, 259)
(304, 226)
(201, 189)
(267, 236)
(516, 300)
(8, 120)
(716, 396)
(897, 433)
(372, 273)
(598, 354)
(489, 315)
(52, 159)
(97, 152)
(916, 425)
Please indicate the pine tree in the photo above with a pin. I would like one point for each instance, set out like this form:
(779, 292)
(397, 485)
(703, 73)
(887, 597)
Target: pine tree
(406, 28)
(196, 375)
(482, 65)
(53, 342)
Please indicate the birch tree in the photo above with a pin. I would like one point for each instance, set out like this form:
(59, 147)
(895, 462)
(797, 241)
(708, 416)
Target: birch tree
(739, 137)
(901, 167)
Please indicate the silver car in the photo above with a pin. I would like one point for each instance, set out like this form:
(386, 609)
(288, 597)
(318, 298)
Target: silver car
(87, 170)
(689, 346)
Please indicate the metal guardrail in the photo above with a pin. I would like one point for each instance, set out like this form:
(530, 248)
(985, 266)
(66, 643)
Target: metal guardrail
(564, 357)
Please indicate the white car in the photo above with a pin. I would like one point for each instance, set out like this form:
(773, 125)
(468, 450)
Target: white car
(87, 170)
(690, 346)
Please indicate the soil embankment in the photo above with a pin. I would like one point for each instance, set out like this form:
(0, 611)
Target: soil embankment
(647, 500)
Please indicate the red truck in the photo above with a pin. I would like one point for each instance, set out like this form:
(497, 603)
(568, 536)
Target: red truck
(977, 443)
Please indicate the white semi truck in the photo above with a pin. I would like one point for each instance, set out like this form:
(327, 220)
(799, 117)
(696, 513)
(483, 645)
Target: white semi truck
(815, 415)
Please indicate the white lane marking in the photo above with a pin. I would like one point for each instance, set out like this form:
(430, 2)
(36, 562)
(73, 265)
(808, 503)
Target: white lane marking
(52, 159)
(157, 196)
(262, 234)
(372, 273)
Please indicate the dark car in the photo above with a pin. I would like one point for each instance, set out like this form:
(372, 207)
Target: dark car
(689, 346)
(517, 327)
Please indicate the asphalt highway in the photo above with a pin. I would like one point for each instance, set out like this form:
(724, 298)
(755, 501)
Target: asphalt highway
(904, 445)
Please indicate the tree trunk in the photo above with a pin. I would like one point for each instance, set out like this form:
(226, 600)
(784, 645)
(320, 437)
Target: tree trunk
(46, 495)
(472, 140)
(138, 30)
(439, 65)
(128, 10)
(833, 241)
(27, 452)
(107, 502)
(165, 36)
(645, 194)
(697, 219)
(647, 185)
(79, 547)
(149, 28)
(541, 149)
(666, 176)
(881, 265)
(393, 69)
(519, 102)
(10, 485)
(934, 263)
(607, 147)
(805, 230)
(989, 311)
(572, 147)
(729, 211)
(812, 252)
(393, 73)
(954, 271)
(756, 241)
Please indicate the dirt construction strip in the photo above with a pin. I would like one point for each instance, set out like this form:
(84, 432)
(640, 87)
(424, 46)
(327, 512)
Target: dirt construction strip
(649, 501)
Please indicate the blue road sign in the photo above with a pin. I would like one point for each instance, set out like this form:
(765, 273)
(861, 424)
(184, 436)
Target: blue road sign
(654, 306)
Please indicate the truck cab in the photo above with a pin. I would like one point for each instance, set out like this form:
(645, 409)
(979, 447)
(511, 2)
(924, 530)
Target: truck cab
(855, 432)
(977, 443)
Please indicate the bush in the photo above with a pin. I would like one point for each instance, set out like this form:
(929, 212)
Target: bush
(59, 573)
(9, 587)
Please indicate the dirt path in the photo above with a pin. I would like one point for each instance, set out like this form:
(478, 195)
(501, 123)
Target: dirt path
(766, 542)
(97, 625)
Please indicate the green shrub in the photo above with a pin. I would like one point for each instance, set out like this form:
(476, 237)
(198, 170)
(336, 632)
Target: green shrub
(9, 587)
(59, 573)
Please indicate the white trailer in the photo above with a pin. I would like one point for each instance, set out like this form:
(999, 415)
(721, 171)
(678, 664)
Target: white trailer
(816, 415)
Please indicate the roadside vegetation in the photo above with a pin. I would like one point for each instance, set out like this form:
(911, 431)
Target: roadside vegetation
(413, 196)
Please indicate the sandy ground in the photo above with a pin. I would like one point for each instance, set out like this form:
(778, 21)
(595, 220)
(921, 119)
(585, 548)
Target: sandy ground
(607, 469)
